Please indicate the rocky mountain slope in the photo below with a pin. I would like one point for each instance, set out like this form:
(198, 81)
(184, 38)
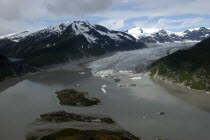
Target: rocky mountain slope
(70, 40)
(162, 36)
(187, 67)
(10, 69)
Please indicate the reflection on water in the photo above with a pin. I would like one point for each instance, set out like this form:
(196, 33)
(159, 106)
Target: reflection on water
(135, 108)
(196, 98)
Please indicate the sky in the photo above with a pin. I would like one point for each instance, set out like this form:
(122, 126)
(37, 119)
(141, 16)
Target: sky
(171, 15)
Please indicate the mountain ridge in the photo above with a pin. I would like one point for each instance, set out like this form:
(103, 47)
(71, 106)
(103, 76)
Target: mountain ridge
(163, 36)
(69, 40)
(187, 67)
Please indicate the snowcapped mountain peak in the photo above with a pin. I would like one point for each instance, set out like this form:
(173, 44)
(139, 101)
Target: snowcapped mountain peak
(198, 29)
(193, 29)
(162, 32)
(155, 35)
(16, 37)
(138, 32)
(57, 28)
(70, 40)
(92, 32)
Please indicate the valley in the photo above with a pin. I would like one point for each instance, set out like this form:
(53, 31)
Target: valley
(144, 109)
(104, 70)
(132, 108)
(82, 81)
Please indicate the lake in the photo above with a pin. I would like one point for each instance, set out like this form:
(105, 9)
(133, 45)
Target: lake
(136, 109)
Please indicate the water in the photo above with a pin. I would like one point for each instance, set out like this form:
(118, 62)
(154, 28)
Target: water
(15, 59)
(135, 109)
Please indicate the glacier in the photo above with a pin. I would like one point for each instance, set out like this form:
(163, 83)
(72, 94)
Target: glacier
(129, 62)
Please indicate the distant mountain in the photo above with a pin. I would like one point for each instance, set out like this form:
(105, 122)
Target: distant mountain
(188, 67)
(70, 40)
(10, 69)
(162, 36)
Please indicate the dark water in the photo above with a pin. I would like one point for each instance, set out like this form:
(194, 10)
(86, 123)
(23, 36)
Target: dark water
(135, 108)
(14, 59)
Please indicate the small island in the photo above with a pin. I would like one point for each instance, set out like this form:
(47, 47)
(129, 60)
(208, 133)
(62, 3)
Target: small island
(76, 134)
(62, 116)
(72, 97)
(88, 128)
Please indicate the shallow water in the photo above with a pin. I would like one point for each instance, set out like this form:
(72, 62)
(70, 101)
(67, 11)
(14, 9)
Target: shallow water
(134, 108)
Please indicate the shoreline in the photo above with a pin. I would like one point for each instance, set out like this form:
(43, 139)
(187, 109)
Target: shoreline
(164, 79)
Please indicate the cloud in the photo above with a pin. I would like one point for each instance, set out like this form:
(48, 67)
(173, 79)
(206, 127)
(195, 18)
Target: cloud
(18, 12)
(114, 24)
(21, 9)
(151, 8)
(173, 24)
(15, 14)
(78, 7)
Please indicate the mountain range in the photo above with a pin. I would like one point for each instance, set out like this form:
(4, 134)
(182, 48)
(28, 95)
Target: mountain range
(80, 39)
(64, 42)
(163, 36)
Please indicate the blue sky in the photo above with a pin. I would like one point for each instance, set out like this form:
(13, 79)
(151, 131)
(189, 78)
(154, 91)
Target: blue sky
(171, 15)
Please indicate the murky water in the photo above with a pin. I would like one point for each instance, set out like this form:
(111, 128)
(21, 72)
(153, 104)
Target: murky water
(135, 109)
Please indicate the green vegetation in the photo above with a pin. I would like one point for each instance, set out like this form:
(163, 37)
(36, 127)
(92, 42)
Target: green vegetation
(72, 97)
(74, 134)
(63, 116)
(189, 67)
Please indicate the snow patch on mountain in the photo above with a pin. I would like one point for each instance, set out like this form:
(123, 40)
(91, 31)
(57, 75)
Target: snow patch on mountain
(194, 29)
(137, 32)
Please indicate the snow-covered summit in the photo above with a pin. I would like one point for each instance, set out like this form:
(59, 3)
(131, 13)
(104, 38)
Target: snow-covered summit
(88, 30)
(72, 39)
(138, 32)
(154, 35)
(16, 37)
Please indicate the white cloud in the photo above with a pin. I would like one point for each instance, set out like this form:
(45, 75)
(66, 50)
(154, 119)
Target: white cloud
(17, 12)
(114, 24)
(172, 24)
(151, 8)
(78, 7)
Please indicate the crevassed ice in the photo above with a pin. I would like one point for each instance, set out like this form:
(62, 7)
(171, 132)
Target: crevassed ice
(127, 62)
